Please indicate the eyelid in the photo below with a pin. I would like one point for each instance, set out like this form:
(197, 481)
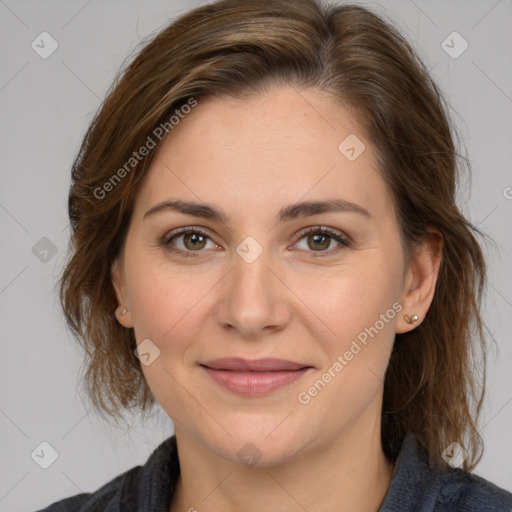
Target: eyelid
(181, 231)
(340, 237)
(318, 228)
(344, 241)
(166, 239)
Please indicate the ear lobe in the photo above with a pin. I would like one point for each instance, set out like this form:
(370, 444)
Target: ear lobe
(421, 279)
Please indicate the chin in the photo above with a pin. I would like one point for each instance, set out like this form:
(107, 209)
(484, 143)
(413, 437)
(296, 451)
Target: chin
(265, 440)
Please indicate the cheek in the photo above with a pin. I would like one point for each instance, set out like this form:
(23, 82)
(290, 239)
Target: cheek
(168, 304)
(359, 303)
(361, 308)
(167, 308)
(342, 303)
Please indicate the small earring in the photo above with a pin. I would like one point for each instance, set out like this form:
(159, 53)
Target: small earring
(410, 319)
(124, 312)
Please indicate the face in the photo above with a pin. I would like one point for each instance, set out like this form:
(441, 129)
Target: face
(263, 280)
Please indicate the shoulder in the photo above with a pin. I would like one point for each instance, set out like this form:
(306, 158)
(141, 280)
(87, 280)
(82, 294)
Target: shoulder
(109, 493)
(464, 491)
(142, 488)
(416, 485)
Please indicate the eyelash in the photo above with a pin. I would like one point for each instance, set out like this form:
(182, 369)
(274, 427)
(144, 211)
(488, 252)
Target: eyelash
(315, 230)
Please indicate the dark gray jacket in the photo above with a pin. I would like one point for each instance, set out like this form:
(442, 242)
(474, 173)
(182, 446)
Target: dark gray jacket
(415, 486)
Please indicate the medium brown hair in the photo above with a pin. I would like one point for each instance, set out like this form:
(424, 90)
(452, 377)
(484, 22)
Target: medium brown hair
(435, 381)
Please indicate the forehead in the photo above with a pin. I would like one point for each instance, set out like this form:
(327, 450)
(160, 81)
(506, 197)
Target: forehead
(255, 155)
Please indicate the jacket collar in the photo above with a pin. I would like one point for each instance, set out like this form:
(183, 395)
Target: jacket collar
(414, 484)
(149, 488)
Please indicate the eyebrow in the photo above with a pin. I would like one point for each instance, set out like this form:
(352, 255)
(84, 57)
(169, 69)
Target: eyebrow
(285, 214)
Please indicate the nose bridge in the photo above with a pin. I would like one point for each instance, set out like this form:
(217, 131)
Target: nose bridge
(253, 299)
(251, 274)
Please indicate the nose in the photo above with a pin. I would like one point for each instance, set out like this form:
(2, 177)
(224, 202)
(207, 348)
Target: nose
(253, 298)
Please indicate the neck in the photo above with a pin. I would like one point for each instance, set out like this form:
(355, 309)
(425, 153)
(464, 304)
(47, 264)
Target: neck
(351, 473)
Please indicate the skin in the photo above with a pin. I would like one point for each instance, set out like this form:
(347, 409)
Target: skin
(250, 158)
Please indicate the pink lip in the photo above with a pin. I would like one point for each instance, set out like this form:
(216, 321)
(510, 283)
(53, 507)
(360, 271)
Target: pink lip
(254, 377)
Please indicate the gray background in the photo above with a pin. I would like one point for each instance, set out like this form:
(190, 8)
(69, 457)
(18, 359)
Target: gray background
(46, 105)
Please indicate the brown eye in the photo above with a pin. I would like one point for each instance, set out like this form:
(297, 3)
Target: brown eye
(194, 241)
(186, 242)
(319, 239)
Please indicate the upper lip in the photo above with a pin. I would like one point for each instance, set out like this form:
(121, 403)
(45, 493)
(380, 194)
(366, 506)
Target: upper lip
(254, 365)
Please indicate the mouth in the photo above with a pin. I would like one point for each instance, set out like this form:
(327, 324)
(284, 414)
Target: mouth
(254, 377)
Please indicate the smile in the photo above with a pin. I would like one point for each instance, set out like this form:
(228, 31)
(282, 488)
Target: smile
(254, 377)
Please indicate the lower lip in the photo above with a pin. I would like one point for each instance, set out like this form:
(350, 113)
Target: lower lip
(254, 383)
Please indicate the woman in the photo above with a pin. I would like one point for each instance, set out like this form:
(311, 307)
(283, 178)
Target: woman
(266, 244)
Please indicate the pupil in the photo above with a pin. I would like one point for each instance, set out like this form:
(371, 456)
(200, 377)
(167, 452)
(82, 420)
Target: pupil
(318, 241)
(194, 239)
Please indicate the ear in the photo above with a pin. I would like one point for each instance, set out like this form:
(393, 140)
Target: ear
(420, 280)
(118, 282)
